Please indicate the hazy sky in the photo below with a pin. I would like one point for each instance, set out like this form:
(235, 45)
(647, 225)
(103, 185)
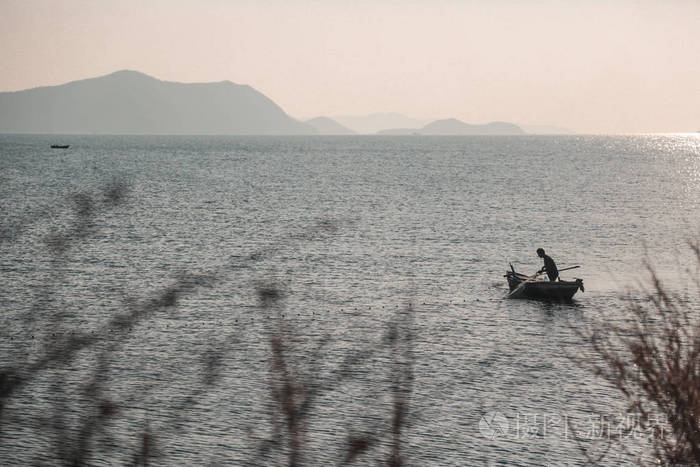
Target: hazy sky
(593, 66)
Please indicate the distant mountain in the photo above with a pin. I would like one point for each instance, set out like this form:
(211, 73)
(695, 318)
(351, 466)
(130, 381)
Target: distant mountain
(129, 102)
(452, 126)
(374, 123)
(547, 130)
(328, 126)
(400, 131)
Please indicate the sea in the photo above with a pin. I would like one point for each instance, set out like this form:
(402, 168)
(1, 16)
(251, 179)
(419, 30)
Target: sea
(213, 300)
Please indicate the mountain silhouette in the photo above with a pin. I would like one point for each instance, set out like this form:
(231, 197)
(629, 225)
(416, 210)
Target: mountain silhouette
(130, 102)
(452, 126)
(546, 130)
(373, 123)
(328, 126)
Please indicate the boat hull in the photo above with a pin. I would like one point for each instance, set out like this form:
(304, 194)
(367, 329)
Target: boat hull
(522, 286)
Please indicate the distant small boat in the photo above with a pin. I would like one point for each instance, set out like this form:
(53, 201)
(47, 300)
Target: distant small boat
(60, 146)
(522, 286)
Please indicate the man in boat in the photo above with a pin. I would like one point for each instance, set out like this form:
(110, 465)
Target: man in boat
(549, 265)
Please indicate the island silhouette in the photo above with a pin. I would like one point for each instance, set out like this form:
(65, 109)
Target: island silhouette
(328, 126)
(452, 126)
(130, 102)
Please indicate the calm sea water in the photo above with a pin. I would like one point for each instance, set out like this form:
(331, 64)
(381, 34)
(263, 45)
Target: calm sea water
(354, 231)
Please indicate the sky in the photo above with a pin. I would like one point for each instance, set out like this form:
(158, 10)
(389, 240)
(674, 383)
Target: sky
(596, 66)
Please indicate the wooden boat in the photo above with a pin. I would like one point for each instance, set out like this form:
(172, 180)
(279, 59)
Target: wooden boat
(522, 286)
(60, 146)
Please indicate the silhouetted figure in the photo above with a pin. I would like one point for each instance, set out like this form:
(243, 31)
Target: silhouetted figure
(549, 265)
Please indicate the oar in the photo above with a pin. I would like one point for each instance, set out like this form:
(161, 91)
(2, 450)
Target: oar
(560, 270)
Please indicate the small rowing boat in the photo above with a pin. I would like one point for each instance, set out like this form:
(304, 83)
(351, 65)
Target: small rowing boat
(60, 146)
(522, 286)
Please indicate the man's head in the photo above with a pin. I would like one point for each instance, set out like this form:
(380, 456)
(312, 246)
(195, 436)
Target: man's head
(540, 252)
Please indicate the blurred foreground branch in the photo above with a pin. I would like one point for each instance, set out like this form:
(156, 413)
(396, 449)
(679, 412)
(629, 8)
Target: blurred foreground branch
(653, 360)
(79, 419)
